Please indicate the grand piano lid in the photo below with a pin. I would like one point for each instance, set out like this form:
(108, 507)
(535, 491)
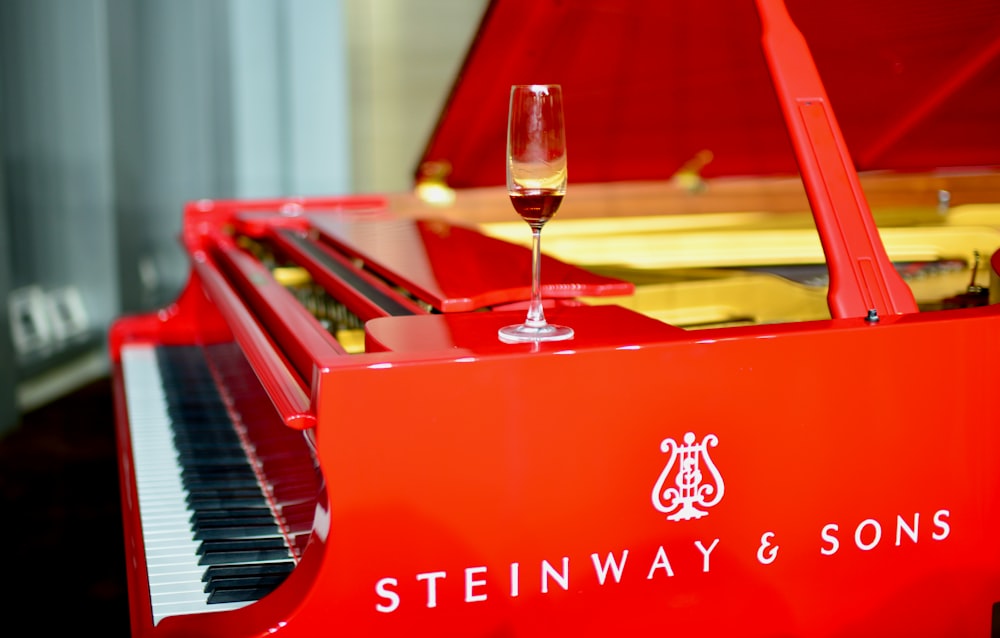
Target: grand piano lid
(654, 86)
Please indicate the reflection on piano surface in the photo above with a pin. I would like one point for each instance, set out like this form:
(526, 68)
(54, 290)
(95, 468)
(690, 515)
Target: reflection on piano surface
(771, 420)
(712, 269)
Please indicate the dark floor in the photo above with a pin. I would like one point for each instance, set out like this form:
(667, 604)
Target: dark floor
(62, 522)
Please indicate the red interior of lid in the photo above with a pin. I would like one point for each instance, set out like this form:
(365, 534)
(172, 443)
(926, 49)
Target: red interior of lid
(651, 85)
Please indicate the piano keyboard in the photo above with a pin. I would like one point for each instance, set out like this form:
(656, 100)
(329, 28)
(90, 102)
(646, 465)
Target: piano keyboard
(211, 539)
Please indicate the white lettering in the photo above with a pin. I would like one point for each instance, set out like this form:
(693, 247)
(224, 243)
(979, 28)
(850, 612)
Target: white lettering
(610, 566)
(431, 578)
(383, 591)
(609, 563)
(767, 551)
(561, 578)
(861, 526)
(868, 533)
(470, 583)
(705, 553)
(827, 535)
(660, 562)
(901, 526)
(940, 523)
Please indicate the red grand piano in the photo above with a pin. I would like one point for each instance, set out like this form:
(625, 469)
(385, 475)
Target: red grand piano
(774, 418)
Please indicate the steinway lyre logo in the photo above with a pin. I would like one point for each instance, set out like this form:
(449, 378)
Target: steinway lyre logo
(691, 487)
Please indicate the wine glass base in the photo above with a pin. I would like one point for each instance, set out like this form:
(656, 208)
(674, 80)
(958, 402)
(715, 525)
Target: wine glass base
(523, 333)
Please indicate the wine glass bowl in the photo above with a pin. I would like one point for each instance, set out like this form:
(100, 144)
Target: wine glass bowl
(536, 184)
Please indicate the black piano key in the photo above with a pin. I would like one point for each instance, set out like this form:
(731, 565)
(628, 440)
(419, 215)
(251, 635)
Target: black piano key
(242, 556)
(252, 544)
(242, 530)
(218, 425)
(199, 412)
(222, 494)
(257, 581)
(209, 498)
(236, 529)
(222, 486)
(249, 569)
(248, 594)
(225, 481)
(218, 463)
(229, 514)
(225, 502)
(213, 470)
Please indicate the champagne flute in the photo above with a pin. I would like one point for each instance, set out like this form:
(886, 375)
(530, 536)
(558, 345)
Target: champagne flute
(536, 183)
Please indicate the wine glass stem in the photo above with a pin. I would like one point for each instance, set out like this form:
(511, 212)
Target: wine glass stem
(536, 316)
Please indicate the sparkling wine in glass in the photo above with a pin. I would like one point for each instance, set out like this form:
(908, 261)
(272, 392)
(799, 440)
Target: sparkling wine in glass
(536, 183)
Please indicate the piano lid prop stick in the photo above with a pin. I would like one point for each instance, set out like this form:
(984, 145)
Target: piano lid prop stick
(863, 282)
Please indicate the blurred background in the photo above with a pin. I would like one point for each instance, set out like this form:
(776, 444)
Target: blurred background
(114, 113)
